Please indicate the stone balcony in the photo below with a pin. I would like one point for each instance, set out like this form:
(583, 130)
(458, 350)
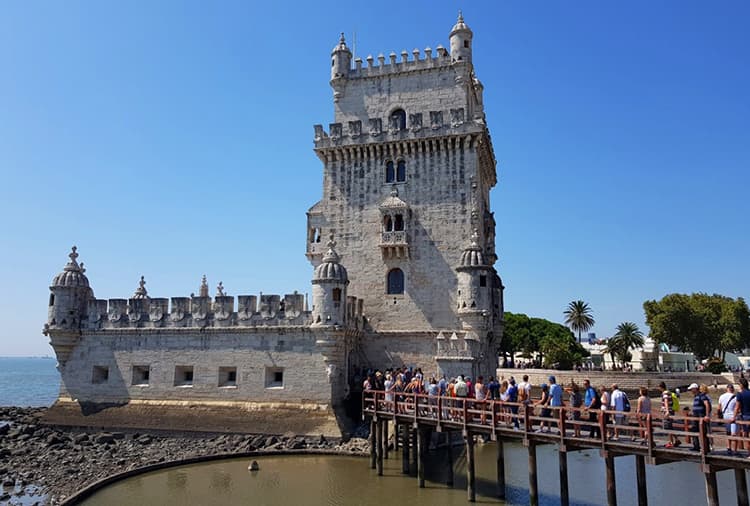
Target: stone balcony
(394, 244)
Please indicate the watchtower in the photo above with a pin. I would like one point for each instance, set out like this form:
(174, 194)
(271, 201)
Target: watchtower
(408, 165)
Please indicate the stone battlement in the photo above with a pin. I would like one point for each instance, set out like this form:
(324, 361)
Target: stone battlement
(196, 311)
(441, 58)
(419, 125)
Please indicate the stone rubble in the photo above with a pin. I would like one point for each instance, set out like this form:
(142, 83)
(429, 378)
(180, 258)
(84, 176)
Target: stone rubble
(42, 465)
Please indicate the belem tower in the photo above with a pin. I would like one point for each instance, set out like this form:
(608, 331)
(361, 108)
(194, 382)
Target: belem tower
(402, 245)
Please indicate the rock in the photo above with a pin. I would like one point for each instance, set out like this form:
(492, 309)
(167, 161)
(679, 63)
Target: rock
(4, 497)
(297, 444)
(254, 466)
(79, 438)
(4, 429)
(104, 438)
(9, 482)
(258, 441)
(144, 439)
(53, 439)
(270, 441)
(118, 435)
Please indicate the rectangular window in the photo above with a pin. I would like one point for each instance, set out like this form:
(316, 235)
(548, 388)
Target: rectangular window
(482, 280)
(227, 376)
(274, 377)
(183, 376)
(141, 375)
(52, 299)
(100, 374)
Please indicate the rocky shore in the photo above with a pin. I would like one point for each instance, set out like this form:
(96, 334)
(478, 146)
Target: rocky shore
(44, 465)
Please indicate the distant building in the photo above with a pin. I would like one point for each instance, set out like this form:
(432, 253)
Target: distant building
(402, 245)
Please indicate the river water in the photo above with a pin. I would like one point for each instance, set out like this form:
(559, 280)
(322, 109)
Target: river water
(339, 480)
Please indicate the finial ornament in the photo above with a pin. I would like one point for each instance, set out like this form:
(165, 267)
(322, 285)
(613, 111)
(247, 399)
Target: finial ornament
(140, 292)
(460, 16)
(83, 270)
(342, 40)
(220, 289)
(394, 191)
(72, 265)
(203, 291)
(331, 242)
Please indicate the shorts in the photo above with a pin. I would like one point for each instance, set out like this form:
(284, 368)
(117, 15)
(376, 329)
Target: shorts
(546, 413)
(731, 429)
(744, 429)
(667, 423)
(620, 420)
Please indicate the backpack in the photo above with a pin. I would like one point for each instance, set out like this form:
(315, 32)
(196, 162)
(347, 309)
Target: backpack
(675, 402)
(625, 402)
(522, 393)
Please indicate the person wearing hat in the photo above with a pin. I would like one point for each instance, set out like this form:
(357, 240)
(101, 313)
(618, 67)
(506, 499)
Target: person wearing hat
(513, 398)
(701, 409)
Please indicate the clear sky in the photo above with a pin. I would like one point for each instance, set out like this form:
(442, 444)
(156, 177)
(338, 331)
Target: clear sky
(172, 139)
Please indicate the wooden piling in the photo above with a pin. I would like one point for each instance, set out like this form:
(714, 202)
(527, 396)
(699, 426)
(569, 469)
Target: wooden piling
(740, 482)
(379, 437)
(421, 455)
(640, 474)
(712, 490)
(609, 460)
(405, 449)
(564, 495)
(414, 447)
(373, 443)
(449, 452)
(385, 438)
(533, 490)
(470, 476)
(500, 469)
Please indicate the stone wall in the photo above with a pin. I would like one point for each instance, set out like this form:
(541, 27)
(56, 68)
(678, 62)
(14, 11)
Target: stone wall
(109, 366)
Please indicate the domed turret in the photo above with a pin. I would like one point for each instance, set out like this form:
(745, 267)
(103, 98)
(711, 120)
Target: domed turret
(341, 59)
(473, 279)
(329, 289)
(70, 295)
(460, 38)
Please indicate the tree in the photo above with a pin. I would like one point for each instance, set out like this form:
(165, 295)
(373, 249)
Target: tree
(554, 343)
(629, 336)
(700, 323)
(578, 317)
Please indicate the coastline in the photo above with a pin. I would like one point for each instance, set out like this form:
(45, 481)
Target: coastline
(47, 465)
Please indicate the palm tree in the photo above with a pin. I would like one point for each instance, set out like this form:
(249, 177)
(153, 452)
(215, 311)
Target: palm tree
(578, 317)
(628, 336)
(614, 347)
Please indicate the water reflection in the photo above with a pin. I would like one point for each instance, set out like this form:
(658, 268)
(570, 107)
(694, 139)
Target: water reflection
(332, 480)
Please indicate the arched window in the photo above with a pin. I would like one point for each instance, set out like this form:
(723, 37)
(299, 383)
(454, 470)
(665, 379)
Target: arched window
(398, 119)
(390, 174)
(387, 224)
(401, 171)
(398, 223)
(395, 281)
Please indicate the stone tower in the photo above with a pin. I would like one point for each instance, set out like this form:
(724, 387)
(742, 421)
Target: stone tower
(408, 165)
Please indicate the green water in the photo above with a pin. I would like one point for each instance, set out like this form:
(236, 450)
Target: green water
(333, 480)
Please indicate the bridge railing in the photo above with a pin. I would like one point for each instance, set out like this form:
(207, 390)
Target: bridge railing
(564, 423)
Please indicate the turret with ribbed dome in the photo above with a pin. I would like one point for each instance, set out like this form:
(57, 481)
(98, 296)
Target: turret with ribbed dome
(341, 59)
(70, 295)
(474, 283)
(460, 38)
(329, 283)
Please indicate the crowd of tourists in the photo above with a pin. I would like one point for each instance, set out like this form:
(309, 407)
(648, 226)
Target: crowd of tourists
(593, 408)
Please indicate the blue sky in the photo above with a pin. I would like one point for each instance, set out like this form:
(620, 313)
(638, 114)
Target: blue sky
(173, 139)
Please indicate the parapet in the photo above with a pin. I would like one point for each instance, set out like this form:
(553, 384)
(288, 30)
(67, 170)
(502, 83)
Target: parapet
(441, 58)
(201, 312)
(419, 125)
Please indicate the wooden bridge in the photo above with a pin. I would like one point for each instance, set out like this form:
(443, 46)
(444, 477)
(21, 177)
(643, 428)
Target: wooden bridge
(613, 433)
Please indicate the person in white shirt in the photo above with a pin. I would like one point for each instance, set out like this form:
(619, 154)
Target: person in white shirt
(617, 403)
(727, 404)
